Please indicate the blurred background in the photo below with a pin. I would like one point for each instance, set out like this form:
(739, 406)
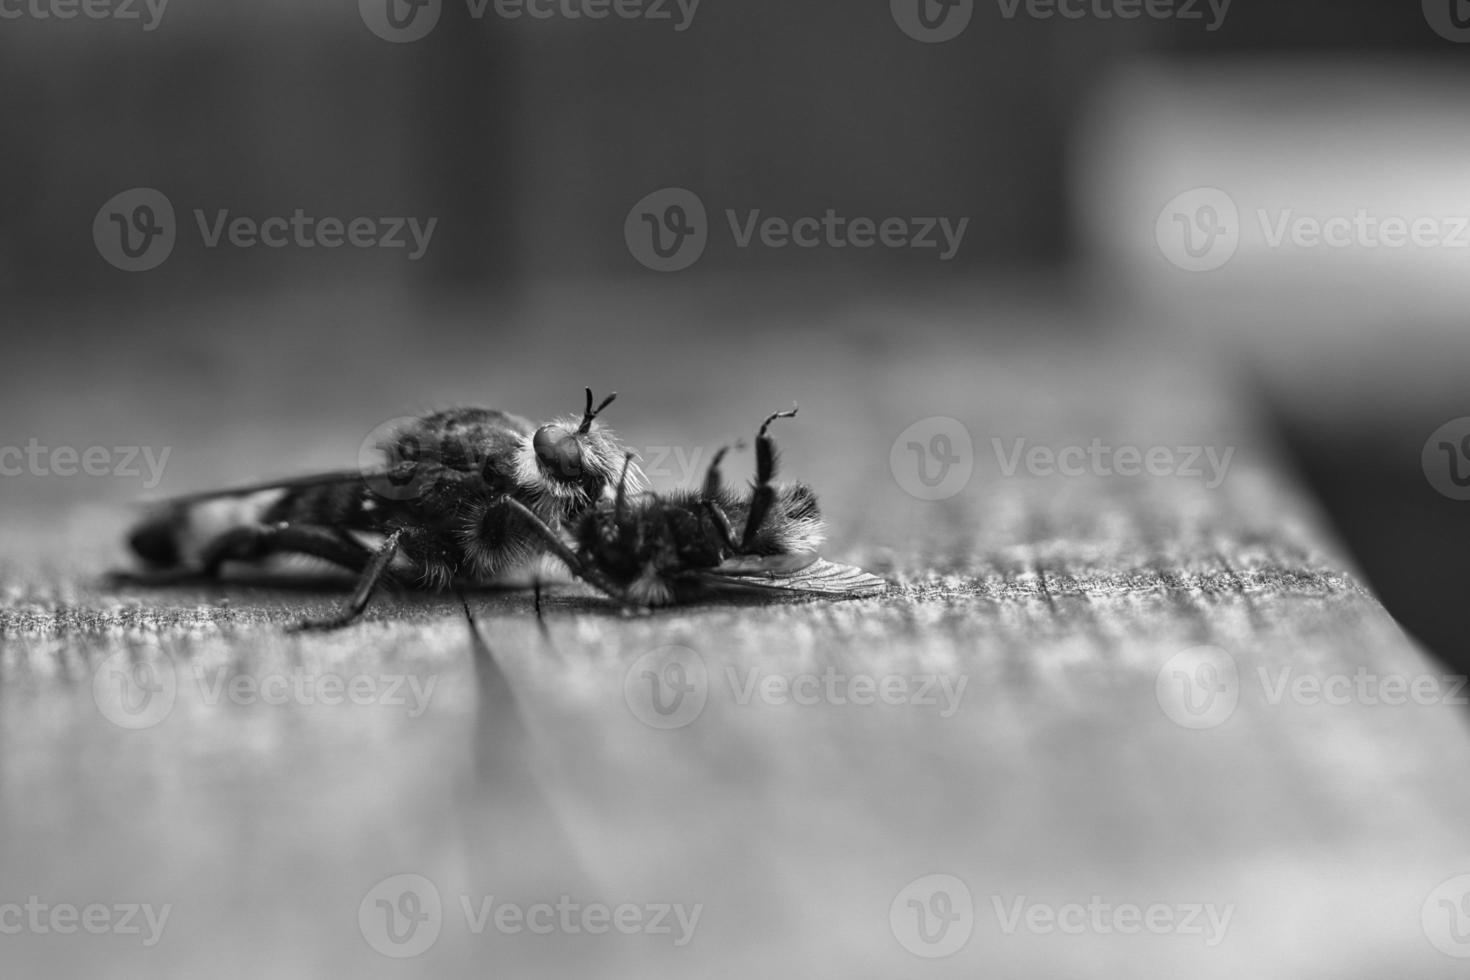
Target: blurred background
(1057, 131)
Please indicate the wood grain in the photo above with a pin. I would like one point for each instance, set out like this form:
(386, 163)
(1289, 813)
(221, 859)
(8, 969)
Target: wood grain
(1058, 776)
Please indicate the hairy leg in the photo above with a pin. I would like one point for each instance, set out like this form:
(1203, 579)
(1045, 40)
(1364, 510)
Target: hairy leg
(765, 472)
(710, 498)
(574, 563)
(256, 543)
(373, 574)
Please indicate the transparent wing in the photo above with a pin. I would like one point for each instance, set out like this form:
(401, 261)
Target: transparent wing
(802, 574)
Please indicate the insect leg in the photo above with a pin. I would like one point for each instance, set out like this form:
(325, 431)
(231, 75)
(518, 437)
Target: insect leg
(255, 543)
(372, 574)
(765, 471)
(569, 557)
(710, 498)
(622, 497)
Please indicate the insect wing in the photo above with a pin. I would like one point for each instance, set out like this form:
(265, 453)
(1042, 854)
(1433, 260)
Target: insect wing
(338, 478)
(798, 574)
(832, 578)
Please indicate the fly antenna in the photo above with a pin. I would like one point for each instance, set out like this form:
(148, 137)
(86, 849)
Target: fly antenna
(777, 415)
(592, 413)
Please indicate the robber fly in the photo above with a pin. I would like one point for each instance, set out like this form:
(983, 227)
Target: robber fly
(643, 549)
(447, 506)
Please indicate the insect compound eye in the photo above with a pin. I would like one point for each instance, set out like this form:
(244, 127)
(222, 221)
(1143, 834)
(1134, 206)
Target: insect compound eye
(559, 451)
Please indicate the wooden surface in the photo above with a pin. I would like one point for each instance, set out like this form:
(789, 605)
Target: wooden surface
(1059, 776)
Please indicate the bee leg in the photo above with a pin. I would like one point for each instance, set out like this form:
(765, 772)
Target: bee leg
(372, 575)
(765, 472)
(569, 557)
(710, 498)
